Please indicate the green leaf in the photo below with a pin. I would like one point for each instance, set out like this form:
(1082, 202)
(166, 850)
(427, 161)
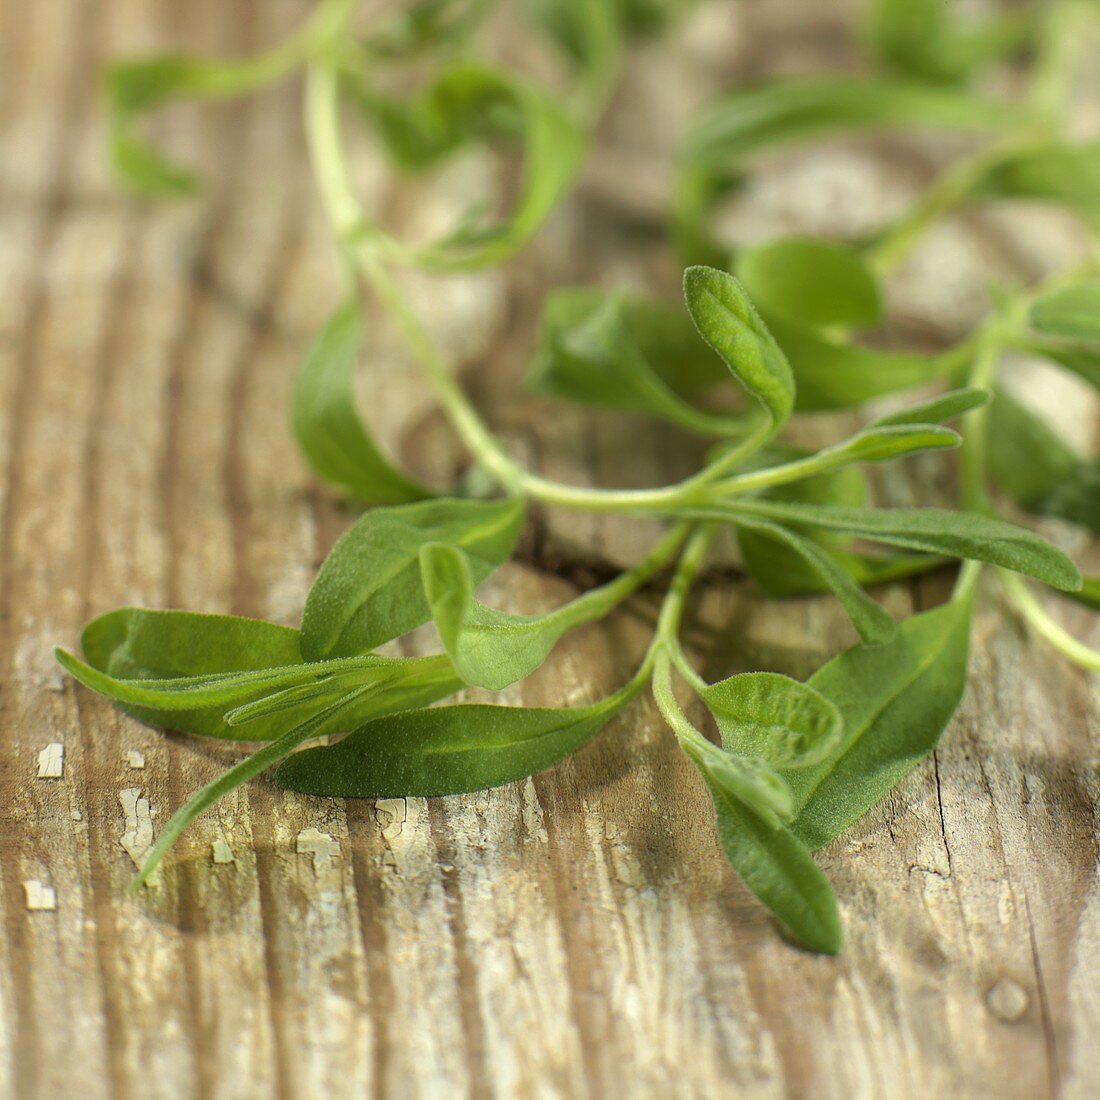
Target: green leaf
(369, 589)
(138, 86)
(1055, 172)
(782, 570)
(873, 624)
(1037, 470)
(316, 725)
(794, 109)
(741, 124)
(811, 282)
(1073, 312)
(895, 701)
(878, 443)
(447, 750)
(135, 643)
(328, 428)
(474, 101)
(931, 530)
(492, 649)
(787, 575)
(589, 352)
(727, 321)
(834, 374)
(778, 869)
(1080, 359)
(622, 353)
(753, 781)
(928, 40)
(782, 721)
(219, 705)
(946, 406)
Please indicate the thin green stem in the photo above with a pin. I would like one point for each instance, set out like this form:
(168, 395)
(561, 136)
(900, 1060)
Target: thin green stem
(361, 246)
(1044, 624)
(322, 112)
(684, 666)
(691, 739)
(691, 561)
(250, 766)
(973, 453)
(1059, 41)
(597, 602)
(951, 189)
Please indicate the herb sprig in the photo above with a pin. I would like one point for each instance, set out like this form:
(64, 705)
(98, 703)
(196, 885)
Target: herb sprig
(796, 762)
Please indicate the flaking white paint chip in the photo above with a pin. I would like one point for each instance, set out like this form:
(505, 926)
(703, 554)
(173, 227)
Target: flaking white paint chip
(323, 848)
(40, 897)
(51, 761)
(138, 837)
(391, 814)
(135, 759)
(220, 852)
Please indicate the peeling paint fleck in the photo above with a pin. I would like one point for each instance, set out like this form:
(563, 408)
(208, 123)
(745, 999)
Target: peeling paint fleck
(51, 761)
(321, 846)
(39, 895)
(138, 837)
(391, 814)
(220, 852)
(135, 758)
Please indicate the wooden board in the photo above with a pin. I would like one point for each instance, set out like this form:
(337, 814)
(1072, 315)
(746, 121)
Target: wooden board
(576, 935)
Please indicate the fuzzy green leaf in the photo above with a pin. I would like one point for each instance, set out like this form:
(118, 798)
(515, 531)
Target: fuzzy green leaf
(489, 648)
(811, 282)
(878, 443)
(1072, 313)
(895, 701)
(782, 721)
(474, 101)
(369, 589)
(778, 869)
(873, 624)
(139, 644)
(328, 428)
(1037, 470)
(931, 530)
(446, 750)
(225, 705)
(728, 322)
(623, 353)
(936, 410)
(835, 374)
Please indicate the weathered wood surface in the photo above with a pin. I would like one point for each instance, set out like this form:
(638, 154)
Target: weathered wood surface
(575, 935)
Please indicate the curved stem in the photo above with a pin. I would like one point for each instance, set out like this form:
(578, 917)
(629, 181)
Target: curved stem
(353, 230)
(598, 601)
(948, 191)
(362, 248)
(1044, 624)
(691, 561)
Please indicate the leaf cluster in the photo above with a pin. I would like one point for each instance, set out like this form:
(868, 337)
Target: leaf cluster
(791, 323)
